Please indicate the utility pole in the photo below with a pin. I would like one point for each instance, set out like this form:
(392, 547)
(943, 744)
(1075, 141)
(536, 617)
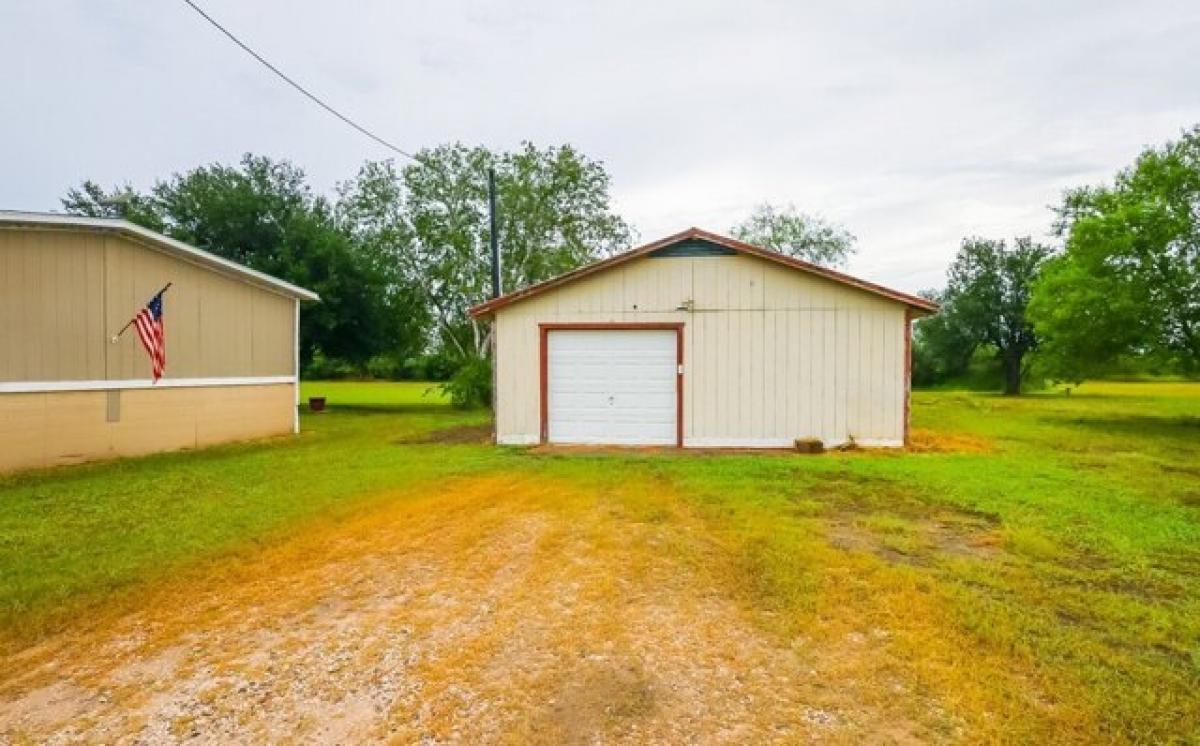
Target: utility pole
(493, 239)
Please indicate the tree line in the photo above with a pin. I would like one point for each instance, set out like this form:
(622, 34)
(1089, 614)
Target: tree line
(1120, 295)
(399, 254)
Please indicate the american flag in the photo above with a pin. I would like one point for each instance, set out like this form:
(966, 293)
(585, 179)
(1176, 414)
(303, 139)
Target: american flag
(149, 323)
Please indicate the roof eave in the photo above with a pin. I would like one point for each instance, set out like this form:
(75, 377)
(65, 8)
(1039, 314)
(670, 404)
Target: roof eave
(133, 230)
(920, 305)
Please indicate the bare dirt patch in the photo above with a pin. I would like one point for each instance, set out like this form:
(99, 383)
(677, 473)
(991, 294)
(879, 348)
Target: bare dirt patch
(946, 535)
(460, 434)
(935, 441)
(494, 610)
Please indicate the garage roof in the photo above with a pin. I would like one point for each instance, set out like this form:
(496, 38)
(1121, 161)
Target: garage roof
(167, 244)
(725, 245)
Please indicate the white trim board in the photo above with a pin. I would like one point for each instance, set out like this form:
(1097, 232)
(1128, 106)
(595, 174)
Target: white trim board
(517, 440)
(296, 367)
(783, 443)
(33, 387)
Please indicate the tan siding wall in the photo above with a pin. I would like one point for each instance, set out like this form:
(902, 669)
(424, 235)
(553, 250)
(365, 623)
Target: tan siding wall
(51, 306)
(216, 326)
(50, 429)
(770, 354)
(63, 293)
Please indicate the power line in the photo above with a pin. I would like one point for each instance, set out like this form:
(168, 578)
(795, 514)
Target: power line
(308, 94)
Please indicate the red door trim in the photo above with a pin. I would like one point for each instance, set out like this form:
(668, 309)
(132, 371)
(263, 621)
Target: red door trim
(544, 330)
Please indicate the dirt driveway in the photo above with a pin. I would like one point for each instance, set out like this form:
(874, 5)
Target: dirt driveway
(500, 609)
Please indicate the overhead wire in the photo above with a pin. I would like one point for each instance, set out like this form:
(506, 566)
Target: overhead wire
(304, 91)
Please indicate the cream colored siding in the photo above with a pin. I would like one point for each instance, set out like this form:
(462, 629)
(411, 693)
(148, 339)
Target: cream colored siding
(216, 326)
(64, 293)
(50, 429)
(51, 306)
(770, 353)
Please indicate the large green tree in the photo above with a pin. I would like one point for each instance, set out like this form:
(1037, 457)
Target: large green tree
(987, 293)
(91, 199)
(261, 213)
(797, 234)
(942, 346)
(431, 219)
(1127, 284)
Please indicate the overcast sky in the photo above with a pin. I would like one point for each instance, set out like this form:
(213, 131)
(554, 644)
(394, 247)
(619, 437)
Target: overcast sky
(913, 124)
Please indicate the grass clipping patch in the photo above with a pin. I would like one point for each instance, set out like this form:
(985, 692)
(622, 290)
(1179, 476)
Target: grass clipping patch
(921, 440)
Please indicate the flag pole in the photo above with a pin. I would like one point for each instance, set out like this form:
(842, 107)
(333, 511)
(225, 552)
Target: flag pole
(130, 322)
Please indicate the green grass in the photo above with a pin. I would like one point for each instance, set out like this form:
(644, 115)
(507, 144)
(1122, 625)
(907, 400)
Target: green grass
(1045, 584)
(76, 534)
(353, 393)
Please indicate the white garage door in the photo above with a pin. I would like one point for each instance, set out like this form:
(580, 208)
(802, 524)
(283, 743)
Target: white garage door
(611, 386)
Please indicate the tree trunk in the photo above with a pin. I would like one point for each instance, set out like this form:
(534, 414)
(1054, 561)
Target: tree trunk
(1012, 374)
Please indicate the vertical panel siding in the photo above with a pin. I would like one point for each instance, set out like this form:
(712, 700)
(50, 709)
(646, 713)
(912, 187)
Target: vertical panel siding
(270, 349)
(771, 354)
(64, 293)
(51, 308)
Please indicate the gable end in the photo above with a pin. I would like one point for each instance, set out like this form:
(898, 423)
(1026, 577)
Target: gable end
(693, 240)
(692, 247)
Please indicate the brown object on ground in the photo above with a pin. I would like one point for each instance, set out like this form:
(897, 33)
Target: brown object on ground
(490, 610)
(809, 445)
(316, 403)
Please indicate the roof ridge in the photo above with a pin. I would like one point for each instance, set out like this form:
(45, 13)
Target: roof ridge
(913, 301)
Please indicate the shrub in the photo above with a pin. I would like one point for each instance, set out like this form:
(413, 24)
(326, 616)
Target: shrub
(430, 367)
(386, 367)
(471, 384)
(327, 368)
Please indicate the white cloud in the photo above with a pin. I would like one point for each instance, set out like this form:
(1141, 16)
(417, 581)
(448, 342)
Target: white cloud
(913, 124)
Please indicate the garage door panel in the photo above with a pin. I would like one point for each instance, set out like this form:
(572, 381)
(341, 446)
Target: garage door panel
(612, 386)
(573, 402)
(623, 434)
(644, 387)
(647, 418)
(615, 340)
(600, 409)
(650, 391)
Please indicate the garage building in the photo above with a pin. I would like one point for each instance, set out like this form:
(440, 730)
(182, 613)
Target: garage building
(68, 393)
(699, 340)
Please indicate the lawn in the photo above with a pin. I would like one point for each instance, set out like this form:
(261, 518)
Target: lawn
(1029, 573)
